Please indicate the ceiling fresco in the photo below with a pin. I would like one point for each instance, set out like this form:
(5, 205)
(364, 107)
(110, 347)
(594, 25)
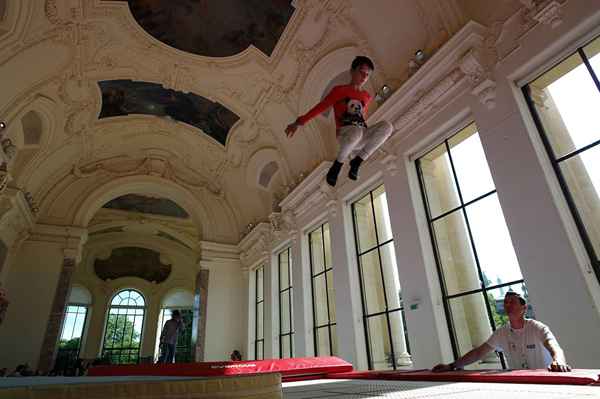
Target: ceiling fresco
(214, 28)
(132, 262)
(125, 97)
(143, 204)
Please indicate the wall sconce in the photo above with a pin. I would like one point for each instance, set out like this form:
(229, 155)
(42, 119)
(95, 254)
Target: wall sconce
(419, 59)
(384, 92)
(2, 125)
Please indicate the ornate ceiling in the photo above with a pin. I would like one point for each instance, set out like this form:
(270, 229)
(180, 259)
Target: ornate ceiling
(125, 97)
(149, 205)
(214, 28)
(132, 262)
(65, 63)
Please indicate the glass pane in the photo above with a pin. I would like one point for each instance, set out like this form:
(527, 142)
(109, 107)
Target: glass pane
(323, 341)
(567, 102)
(399, 339)
(379, 342)
(364, 223)
(334, 343)
(259, 285)
(286, 346)
(327, 237)
(495, 252)
(331, 296)
(259, 350)
(78, 327)
(285, 312)
(471, 324)
(259, 321)
(582, 175)
(496, 301)
(317, 257)
(69, 323)
(438, 180)
(320, 300)
(390, 275)
(455, 253)
(592, 51)
(470, 164)
(372, 282)
(284, 278)
(382, 216)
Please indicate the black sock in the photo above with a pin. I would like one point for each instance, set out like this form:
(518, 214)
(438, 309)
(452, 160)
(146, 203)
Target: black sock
(332, 175)
(354, 165)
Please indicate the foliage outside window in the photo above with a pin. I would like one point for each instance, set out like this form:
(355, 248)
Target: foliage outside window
(123, 332)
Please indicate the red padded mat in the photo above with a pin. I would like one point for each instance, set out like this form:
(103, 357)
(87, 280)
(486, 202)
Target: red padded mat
(318, 366)
(575, 377)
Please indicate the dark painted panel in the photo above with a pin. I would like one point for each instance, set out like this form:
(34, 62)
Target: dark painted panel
(124, 97)
(132, 262)
(143, 204)
(214, 28)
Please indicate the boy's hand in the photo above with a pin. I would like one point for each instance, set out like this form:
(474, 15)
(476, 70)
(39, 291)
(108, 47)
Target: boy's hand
(291, 129)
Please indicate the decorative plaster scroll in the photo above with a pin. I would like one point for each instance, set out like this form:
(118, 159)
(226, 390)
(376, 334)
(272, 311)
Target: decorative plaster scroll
(550, 14)
(475, 68)
(152, 166)
(426, 103)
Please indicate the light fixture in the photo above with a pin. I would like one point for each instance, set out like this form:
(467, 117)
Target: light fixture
(2, 125)
(383, 93)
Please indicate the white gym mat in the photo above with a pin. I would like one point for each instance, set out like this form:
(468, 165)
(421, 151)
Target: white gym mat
(371, 389)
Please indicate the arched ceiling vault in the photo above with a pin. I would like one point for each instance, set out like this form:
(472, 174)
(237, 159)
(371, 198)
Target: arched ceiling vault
(84, 43)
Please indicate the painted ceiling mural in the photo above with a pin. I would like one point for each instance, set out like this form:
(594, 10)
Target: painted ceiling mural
(124, 97)
(214, 28)
(144, 204)
(132, 262)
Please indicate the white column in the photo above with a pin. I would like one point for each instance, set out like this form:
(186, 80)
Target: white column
(302, 302)
(559, 281)
(425, 319)
(348, 306)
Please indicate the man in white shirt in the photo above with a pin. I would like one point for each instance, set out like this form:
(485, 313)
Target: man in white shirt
(168, 337)
(526, 343)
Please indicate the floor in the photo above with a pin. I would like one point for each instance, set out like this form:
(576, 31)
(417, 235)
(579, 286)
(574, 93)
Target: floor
(334, 389)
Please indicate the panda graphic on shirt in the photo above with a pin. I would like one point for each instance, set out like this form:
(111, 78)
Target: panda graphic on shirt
(353, 116)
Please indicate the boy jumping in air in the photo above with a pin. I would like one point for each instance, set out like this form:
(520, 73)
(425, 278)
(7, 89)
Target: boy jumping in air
(350, 103)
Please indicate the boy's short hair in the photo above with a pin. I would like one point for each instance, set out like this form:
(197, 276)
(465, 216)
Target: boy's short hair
(513, 293)
(362, 60)
(175, 313)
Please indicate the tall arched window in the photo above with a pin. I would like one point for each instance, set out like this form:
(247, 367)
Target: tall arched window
(183, 301)
(72, 335)
(123, 332)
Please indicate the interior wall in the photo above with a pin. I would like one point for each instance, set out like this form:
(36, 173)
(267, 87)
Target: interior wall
(31, 284)
(227, 304)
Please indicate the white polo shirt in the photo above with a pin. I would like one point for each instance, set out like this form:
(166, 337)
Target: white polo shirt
(524, 347)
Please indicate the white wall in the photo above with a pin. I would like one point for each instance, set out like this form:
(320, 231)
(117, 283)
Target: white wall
(227, 304)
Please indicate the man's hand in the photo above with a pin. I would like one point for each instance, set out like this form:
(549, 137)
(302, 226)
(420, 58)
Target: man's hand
(559, 367)
(291, 129)
(443, 367)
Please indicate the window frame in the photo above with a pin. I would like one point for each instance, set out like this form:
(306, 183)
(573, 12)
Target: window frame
(256, 303)
(462, 208)
(555, 161)
(326, 268)
(103, 351)
(377, 247)
(289, 290)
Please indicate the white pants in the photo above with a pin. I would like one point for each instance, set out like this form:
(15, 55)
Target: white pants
(363, 142)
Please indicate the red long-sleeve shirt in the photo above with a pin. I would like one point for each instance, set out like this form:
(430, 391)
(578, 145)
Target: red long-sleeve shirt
(338, 97)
